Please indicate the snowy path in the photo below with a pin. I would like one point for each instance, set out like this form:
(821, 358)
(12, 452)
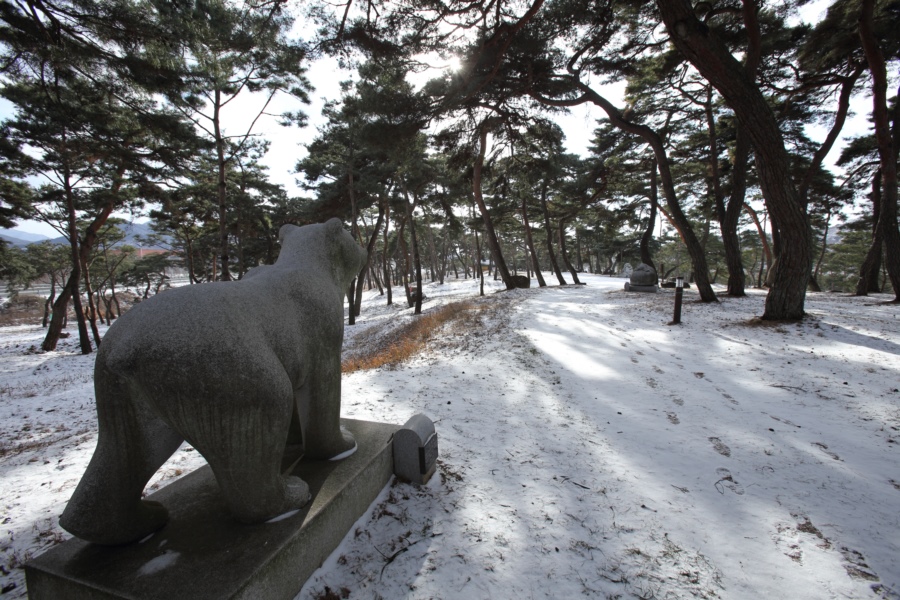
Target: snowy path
(587, 448)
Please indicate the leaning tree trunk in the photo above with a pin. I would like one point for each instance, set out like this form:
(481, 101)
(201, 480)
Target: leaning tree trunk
(221, 187)
(710, 56)
(677, 216)
(417, 261)
(728, 215)
(385, 262)
(71, 291)
(93, 309)
(370, 249)
(549, 231)
(651, 222)
(561, 230)
(489, 232)
(529, 241)
(80, 254)
(871, 267)
(480, 268)
(404, 250)
(737, 281)
(814, 279)
(49, 301)
(887, 222)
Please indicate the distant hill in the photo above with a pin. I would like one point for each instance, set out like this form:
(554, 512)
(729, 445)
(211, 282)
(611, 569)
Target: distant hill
(21, 238)
(132, 230)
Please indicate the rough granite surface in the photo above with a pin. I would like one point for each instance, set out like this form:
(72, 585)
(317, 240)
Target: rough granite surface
(238, 369)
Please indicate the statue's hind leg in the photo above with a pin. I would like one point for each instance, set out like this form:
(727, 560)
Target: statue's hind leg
(245, 428)
(106, 507)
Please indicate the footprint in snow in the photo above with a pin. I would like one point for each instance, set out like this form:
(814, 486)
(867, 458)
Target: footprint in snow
(727, 396)
(720, 447)
(727, 481)
(673, 418)
(825, 449)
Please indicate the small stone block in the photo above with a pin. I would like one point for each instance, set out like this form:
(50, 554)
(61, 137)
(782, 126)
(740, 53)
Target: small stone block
(416, 450)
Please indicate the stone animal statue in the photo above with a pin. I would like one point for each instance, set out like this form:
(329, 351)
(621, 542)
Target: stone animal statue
(237, 369)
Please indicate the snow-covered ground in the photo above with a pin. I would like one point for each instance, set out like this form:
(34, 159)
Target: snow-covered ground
(587, 448)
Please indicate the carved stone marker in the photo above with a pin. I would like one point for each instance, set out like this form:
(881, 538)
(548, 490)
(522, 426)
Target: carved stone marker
(238, 369)
(416, 450)
(643, 279)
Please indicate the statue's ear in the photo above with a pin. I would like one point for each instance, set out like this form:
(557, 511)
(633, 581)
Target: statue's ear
(285, 229)
(334, 226)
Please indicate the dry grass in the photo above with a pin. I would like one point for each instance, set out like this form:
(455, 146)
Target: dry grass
(410, 338)
(22, 309)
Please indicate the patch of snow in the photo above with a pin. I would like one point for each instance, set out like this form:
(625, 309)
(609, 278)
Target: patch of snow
(345, 453)
(587, 448)
(155, 565)
(284, 516)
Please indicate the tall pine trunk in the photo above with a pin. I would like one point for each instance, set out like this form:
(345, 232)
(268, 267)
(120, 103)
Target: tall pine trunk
(221, 187)
(489, 232)
(887, 222)
(646, 258)
(710, 56)
(676, 214)
(529, 241)
(549, 233)
(728, 214)
(71, 291)
(385, 259)
(370, 251)
(871, 267)
(561, 230)
(417, 261)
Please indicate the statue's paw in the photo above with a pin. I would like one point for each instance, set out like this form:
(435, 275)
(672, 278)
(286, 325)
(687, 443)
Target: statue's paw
(340, 448)
(296, 493)
(115, 530)
(345, 453)
(296, 496)
(153, 517)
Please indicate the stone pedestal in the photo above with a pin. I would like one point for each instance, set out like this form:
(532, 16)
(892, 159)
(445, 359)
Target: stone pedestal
(204, 553)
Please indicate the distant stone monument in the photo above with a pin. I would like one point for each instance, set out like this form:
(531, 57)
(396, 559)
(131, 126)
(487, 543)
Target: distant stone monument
(643, 279)
(521, 281)
(240, 370)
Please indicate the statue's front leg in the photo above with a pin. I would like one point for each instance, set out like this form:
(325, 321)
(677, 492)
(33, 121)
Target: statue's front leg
(324, 438)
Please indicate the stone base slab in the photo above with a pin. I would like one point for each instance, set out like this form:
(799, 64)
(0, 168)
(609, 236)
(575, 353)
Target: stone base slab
(203, 553)
(651, 289)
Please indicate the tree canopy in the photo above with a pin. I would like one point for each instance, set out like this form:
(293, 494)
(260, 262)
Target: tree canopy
(714, 163)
